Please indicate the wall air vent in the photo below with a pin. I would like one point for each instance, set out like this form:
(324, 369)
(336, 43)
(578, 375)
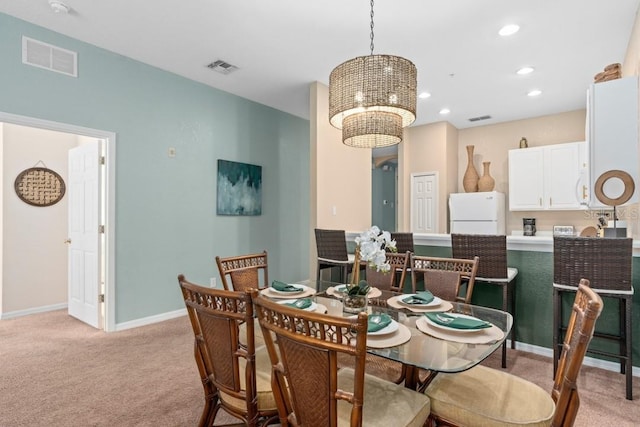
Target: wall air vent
(49, 57)
(222, 67)
(477, 119)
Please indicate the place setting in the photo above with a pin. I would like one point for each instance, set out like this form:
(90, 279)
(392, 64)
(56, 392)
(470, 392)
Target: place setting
(383, 331)
(306, 304)
(458, 327)
(281, 290)
(419, 302)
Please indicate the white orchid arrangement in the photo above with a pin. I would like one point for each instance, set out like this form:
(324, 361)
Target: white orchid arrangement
(371, 246)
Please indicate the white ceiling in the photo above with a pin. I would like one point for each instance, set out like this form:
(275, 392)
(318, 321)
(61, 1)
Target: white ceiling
(281, 46)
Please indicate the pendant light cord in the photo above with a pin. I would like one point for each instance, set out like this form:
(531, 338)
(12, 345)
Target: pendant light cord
(371, 35)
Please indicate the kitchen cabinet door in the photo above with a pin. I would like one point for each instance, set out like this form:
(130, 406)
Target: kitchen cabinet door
(526, 179)
(564, 175)
(552, 177)
(613, 133)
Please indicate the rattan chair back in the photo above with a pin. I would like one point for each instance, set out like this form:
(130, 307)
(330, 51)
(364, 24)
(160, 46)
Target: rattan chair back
(225, 357)
(387, 281)
(586, 310)
(243, 272)
(304, 348)
(444, 276)
(606, 262)
(491, 251)
(404, 241)
(331, 246)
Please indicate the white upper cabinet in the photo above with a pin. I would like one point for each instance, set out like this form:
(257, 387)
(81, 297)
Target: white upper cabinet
(612, 125)
(526, 179)
(552, 177)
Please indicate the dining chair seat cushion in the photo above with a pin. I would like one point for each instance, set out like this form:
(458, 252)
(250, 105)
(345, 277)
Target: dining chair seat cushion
(385, 403)
(483, 396)
(512, 272)
(266, 400)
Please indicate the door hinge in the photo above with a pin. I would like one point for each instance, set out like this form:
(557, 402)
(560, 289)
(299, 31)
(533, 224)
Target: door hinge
(102, 160)
(101, 229)
(101, 298)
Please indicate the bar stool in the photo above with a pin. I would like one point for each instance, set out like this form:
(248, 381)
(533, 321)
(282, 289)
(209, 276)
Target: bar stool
(331, 246)
(404, 243)
(606, 263)
(492, 269)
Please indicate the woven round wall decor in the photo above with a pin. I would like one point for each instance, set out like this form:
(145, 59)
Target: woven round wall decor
(627, 180)
(39, 186)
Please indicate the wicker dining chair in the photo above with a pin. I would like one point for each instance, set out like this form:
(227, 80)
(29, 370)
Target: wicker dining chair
(444, 276)
(311, 391)
(387, 281)
(235, 376)
(331, 247)
(243, 272)
(483, 396)
(607, 263)
(492, 269)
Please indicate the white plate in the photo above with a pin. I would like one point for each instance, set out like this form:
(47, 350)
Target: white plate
(312, 307)
(450, 329)
(301, 288)
(391, 327)
(436, 301)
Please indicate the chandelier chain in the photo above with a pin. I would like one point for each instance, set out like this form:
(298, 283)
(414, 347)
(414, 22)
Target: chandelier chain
(371, 35)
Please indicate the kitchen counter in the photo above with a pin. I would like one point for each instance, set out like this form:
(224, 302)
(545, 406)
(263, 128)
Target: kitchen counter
(540, 243)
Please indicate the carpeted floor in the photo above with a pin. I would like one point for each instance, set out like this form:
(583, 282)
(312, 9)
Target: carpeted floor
(57, 371)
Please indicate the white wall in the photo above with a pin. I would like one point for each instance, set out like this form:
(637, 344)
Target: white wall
(34, 255)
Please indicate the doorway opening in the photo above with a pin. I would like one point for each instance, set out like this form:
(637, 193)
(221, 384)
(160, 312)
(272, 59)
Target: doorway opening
(105, 264)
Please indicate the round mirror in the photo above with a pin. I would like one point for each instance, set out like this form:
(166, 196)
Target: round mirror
(614, 187)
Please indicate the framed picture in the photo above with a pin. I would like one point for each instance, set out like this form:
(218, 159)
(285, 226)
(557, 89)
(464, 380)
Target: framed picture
(239, 188)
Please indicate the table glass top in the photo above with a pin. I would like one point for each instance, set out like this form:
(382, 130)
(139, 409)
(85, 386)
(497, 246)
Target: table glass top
(430, 346)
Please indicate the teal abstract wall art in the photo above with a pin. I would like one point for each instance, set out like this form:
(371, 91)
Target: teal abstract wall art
(239, 188)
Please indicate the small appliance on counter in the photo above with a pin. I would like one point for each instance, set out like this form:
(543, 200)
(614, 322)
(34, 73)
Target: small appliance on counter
(563, 230)
(528, 226)
(477, 213)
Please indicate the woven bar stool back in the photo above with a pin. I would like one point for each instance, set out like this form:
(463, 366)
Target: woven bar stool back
(606, 263)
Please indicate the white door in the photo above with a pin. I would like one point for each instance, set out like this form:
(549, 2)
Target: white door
(424, 203)
(84, 234)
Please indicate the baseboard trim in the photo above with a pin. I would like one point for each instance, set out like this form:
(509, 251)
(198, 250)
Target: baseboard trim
(588, 361)
(151, 319)
(34, 310)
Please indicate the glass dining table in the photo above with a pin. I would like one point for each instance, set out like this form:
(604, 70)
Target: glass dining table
(418, 343)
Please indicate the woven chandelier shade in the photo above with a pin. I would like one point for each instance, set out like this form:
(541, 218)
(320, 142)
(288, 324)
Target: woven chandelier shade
(371, 98)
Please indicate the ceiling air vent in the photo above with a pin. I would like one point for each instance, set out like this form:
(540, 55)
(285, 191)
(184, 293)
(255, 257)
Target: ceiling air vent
(222, 67)
(477, 119)
(49, 57)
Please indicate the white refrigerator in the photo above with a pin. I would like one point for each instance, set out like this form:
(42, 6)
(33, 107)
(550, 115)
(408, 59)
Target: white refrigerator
(477, 213)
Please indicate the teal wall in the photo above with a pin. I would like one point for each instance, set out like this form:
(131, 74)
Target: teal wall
(383, 187)
(165, 207)
(534, 300)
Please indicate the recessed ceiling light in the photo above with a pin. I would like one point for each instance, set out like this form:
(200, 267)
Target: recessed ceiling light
(424, 95)
(58, 7)
(445, 111)
(508, 30)
(525, 70)
(534, 92)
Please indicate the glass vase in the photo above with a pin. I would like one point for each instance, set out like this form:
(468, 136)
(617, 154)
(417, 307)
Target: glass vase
(354, 303)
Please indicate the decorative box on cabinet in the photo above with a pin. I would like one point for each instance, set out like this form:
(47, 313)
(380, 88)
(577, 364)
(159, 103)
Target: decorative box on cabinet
(612, 125)
(551, 177)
